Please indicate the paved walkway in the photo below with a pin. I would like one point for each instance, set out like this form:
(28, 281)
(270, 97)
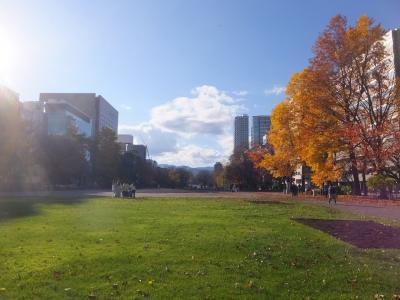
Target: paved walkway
(390, 212)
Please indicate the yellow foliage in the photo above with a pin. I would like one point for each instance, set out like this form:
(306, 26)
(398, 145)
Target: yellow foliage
(281, 136)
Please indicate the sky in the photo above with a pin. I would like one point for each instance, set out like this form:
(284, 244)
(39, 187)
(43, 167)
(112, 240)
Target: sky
(178, 71)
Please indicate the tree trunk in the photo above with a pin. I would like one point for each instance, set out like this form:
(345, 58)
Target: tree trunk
(354, 171)
(364, 182)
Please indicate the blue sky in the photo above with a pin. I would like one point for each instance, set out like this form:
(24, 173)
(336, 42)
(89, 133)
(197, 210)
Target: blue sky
(177, 71)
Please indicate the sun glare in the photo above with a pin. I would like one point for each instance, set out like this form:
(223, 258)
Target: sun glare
(8, 55)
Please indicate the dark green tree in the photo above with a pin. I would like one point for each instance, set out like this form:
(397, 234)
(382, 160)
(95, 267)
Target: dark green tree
(179, 177)
(105, 157)
(205, 179)
(240, 171)
(218, 176)
(12, 144)
(65, 158)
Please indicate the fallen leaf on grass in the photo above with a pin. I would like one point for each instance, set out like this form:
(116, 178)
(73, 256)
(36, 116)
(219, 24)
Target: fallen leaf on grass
(57, 275)
(250, 284)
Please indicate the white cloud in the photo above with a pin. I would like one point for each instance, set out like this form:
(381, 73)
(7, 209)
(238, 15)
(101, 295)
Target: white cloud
(191, 155)
(208, 113)
(226, 143)
(276, 90)
(240, 93)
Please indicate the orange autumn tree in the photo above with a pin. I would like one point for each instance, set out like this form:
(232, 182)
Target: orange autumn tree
(341, 116)
(256, 155)
(377, 122)
(317, 135)
(301, 134)
(356, 86)
(284, 159)
(334, 84)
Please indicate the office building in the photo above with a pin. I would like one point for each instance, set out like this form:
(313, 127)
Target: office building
(140, 150)
(106, 115)
(259, 128)
(126, 143)
(60, 116)
(241, 135)
(391, 41)
(32, 113)
(302, 176)
(125, 139)
(101, 113)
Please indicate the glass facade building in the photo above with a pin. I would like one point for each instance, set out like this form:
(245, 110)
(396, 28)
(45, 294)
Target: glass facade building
(260, 127)
(241, 137)
(62, 116)
(102, 113)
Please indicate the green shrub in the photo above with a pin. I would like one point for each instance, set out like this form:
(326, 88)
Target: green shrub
(381, 183)
(378, 182)
(345, 189)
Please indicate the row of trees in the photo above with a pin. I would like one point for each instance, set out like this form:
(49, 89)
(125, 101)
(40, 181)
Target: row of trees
(32, 160)
(244, 171)
(342, 113)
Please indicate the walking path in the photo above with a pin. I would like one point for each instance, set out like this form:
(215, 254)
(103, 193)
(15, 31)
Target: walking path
(389, 212)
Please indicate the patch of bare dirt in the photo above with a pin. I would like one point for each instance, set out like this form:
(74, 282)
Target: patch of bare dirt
(363, 234)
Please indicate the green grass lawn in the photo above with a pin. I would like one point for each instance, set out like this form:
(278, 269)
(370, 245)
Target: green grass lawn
(182, 249)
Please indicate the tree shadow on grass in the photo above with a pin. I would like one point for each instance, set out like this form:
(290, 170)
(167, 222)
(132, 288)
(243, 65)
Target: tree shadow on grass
(11, 208)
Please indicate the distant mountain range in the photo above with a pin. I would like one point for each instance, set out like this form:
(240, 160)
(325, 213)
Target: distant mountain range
(194, 171)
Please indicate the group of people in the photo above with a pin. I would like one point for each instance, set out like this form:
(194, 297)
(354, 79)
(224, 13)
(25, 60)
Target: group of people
(234, 188)
(329, 190)
(124, 190)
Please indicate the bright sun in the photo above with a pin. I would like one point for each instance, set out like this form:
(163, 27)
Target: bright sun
(8, 56)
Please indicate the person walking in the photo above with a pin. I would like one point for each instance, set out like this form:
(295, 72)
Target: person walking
(129, 190)
(294, 190)
(332, 193)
